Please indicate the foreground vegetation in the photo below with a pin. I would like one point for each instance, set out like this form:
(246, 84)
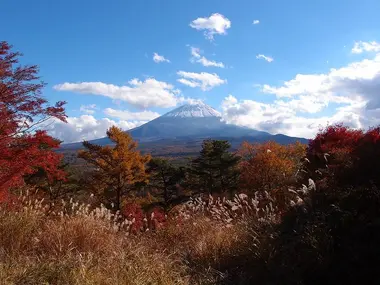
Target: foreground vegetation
(330, 238)
(266, 214)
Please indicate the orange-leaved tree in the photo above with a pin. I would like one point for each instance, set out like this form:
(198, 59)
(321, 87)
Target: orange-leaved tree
(269, 166)
(118, 167)
(24, 146)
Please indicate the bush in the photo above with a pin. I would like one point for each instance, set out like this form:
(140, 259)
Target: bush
(332, 240)
(346, 156)
(269, 166)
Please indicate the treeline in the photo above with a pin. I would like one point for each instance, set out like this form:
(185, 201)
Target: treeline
(119, 174)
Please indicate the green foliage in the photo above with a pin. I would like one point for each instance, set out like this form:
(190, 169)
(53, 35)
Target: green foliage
(215, 169)
(164, 177)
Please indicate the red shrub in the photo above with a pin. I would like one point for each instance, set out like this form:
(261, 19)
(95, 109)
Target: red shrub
(156, 219)
(153, 220)
(351, 156)
(367, 158)
(133, 212)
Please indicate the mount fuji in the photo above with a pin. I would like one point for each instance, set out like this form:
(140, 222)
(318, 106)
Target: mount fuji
(188, 125)
(191, 121)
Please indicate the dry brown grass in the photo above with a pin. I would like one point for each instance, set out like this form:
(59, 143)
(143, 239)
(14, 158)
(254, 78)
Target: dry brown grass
(205, 247)
(206, 243)
(78, 249)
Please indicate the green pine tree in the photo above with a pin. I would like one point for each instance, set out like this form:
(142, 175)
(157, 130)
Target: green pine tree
(215, 169)
(165, 178)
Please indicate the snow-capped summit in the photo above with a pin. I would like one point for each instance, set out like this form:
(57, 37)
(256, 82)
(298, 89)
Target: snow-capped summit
(197, 110)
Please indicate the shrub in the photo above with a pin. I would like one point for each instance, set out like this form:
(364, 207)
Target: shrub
(346, 156)
(133, 213)
(269, 166)
(331, 240)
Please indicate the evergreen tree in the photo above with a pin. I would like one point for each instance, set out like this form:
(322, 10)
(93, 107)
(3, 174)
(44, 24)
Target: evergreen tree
(215, 169)
(118, 168)
(165, 178)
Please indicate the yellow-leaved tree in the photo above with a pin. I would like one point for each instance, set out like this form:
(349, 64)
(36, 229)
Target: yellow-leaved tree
(118, 167)
(269, 165)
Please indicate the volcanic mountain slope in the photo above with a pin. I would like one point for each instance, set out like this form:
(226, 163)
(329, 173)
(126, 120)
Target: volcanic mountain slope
(190, 124)
(198, 120)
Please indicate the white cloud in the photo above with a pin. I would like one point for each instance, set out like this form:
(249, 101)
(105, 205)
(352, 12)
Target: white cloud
(356, 82)
(216, 24)
(88, 109)
(197, 57)
(195, 52)
(303, 103)
(205, 81)
(267, 58)
(360, 47)
(159, 58)
(205, 62)
(256, 22)
(86, 127)
(279, 119)
(189, 83)
(143, 94)
(127, 115)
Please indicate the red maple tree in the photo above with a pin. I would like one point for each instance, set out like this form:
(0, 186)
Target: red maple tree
(350, 156)
(24, 146)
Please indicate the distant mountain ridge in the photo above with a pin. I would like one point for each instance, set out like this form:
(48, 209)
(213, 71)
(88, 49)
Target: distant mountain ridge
(192, 122)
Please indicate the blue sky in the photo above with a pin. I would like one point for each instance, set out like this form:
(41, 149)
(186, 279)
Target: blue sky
(99, 57)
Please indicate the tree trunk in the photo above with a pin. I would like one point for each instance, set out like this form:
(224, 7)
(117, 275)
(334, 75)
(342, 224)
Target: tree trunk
(166, 198)
(118, 199)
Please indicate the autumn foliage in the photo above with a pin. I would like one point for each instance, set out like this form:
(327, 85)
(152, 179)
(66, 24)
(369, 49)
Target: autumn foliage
(270, 165)
(117, 168)
(348, 156)
(143, 220)
(24, 146)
